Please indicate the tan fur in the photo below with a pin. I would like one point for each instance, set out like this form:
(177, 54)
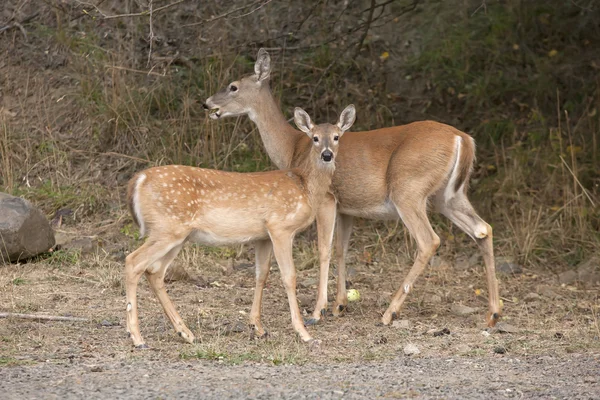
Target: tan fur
(386, 173)
(176, 204)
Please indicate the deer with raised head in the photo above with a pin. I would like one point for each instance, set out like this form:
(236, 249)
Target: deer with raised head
(174, 204)
(387, 173)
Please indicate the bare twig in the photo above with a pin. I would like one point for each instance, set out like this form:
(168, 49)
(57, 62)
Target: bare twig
(42, 317)
(482, 5)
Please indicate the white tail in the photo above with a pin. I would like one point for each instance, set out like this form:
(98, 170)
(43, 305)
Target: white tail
(175, 204)
(386, 173)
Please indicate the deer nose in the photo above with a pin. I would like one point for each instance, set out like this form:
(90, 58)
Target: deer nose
(205, 106)
(327, 155)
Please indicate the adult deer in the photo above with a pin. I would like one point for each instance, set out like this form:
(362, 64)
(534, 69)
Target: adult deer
(386, 173)
(175, 204)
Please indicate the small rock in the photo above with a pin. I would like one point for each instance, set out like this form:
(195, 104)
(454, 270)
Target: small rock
(558, 335)
(237, 327)
(308, 283)
(96, 368)
(503, 327)
(441, 332)
(462, 348)
(242, 266)
(507, 266)
(85, 245)
(401, 324)
(532, 297)
(459, 309)
(410, 349)
(106, 323)
(305, 300)
(500, 350)
(568, 277)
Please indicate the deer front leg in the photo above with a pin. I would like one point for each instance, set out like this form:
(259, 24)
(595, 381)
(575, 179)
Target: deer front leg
(282, 247)
(263, 250)
(344, 230)
(325, 227)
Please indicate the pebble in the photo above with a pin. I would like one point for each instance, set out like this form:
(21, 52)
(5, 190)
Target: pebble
(410, 349)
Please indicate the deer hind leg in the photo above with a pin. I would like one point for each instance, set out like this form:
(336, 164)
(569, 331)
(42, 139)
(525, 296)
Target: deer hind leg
(282, 247)
(156, 278)
(136, 264)
(414, 216)
(460, 211)
(325, 227)
(263, 251)
(342, 240)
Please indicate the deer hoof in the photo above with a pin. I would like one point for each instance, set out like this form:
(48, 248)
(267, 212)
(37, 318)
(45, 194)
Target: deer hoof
(310, 321)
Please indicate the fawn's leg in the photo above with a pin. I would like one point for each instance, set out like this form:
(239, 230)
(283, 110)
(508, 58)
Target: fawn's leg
(263, 250)
(325, 227)
(136, 264)
(282, 247)
(156, 277)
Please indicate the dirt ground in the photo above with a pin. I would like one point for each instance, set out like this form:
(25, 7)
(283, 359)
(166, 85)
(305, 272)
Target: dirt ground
(551, 348)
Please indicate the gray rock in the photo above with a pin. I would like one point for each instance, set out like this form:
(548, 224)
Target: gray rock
(567, 277)
(24, 230)
(461, 310)
(588, 272)
(410, 349)
(530, 297)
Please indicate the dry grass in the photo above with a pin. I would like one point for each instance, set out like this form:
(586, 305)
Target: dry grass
(562, 319)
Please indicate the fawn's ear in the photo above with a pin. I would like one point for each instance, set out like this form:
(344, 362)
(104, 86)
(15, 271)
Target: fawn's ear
(262, 67)
(347, 118)
(302, 121)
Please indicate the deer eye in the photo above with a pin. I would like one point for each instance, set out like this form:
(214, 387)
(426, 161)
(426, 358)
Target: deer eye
(336, 138)
(315, 139)
(233, 88)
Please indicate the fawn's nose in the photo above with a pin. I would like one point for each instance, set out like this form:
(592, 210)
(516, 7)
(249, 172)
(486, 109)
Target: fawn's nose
(327, 156)
(205, 106)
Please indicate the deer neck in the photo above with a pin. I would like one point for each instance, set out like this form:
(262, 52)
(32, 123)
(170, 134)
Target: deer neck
(317, 177)
(277, 135)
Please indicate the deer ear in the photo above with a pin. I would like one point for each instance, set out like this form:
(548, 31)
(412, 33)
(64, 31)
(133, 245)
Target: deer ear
(262, 67)
(347, 118)
(302, 121)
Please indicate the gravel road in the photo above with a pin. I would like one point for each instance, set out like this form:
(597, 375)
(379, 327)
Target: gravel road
(572, 377)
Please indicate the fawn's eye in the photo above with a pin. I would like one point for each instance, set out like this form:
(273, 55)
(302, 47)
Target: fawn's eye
(315, 139)
(233, 88)
(336, 138)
